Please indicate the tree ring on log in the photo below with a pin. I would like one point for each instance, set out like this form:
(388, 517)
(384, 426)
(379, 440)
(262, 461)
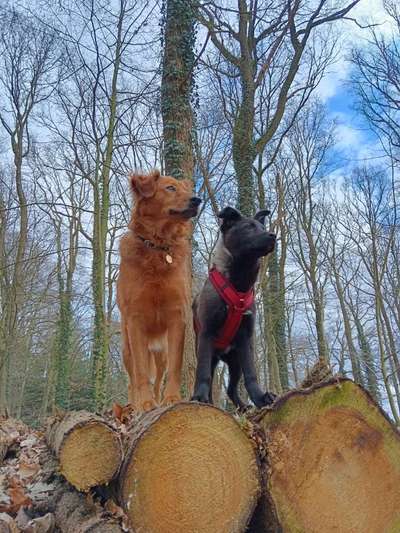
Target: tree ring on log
(333, 461)
(88, 448)
(88, 456)
(189, 468)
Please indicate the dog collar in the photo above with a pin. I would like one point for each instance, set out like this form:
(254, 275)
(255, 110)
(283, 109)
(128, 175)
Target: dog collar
(150, 244)
(238, 303)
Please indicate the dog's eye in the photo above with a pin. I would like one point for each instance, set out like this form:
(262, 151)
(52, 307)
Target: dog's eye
(171, 188)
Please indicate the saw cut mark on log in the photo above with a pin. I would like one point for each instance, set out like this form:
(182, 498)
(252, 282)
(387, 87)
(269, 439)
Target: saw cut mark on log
(333, 461)
(88, 448)
(189, 468)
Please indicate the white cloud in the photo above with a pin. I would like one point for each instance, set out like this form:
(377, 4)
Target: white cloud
(372, 12)
(333, 80)
(348, 35)
(348, 137)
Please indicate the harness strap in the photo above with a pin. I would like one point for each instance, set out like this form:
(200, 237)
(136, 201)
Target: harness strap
(238, 303)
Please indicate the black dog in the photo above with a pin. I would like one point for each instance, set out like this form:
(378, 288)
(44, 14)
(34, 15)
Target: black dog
(242, 242)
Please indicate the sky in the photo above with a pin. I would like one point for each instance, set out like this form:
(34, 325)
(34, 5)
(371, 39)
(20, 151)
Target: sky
(353, 136)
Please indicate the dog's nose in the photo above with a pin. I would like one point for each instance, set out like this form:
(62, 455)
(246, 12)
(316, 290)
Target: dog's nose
(194, 201)
(272, 235)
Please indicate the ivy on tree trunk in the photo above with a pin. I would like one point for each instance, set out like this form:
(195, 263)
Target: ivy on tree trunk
(176, 98)
(177, 88)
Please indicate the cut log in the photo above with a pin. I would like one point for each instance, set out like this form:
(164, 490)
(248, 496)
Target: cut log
(87, 447)
(73, 511)
(189, 467)
(333, 462)
(34, 497)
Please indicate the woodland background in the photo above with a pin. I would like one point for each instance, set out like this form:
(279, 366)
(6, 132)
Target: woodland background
(226, 92)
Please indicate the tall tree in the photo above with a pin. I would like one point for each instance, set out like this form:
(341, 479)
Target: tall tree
(376, 81)
(28, 63)
(96, 106)
(251, 39)
(310, 141)
(176, 106)
(177, 88)
(371, 201)
(59, 194)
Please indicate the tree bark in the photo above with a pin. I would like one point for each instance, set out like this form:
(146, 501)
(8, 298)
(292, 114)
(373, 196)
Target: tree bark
(177, 116)
(355, 364)
(176, 89)
(276, 307)
(368, 359)
(101, 338)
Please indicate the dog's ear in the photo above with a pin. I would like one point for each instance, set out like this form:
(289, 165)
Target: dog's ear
(260, 215)
(229, 216)
(144, 184)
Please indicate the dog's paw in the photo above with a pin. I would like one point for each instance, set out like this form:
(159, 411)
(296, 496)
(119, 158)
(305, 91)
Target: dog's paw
(148, 405)
(201, 393)
(243, 408)
(170, 400)
(200, 398)
(269, 398)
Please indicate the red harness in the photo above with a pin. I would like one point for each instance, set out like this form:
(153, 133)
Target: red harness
(238, 303)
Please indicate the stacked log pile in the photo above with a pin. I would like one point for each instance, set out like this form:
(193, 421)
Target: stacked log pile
(325, 458)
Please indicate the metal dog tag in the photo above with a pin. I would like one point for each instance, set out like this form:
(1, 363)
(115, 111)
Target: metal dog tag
(168, 259)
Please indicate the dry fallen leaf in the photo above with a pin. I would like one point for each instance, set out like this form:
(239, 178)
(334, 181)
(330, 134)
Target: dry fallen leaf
(28, 470)
(114, 509)
(18, 497)
(117, 411)
(122, 413)
(43, 524)
(7, 524)
(111, 507)
(30, 441)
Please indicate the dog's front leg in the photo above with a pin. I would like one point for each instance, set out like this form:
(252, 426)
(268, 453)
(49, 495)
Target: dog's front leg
(202, 385)
(176, 338)
(128, 363)
(140, 364)
(258, 397)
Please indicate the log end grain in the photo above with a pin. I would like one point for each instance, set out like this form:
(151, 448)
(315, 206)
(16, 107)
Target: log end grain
(190, 468)
(88, 449)
(333, 461)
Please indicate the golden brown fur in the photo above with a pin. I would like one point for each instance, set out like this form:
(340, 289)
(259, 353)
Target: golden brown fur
(152, 294)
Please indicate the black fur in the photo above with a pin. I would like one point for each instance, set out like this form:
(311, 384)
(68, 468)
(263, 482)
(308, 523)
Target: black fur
(246, 241)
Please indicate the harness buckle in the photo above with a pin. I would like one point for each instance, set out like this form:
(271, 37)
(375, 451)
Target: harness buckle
(241, 305)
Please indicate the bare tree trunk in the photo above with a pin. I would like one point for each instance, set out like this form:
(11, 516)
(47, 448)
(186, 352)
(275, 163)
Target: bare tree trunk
(276, 309)
(382, 353)
(27, 59)
(355, 365)
(176, 94)
(63, 336)
(243, 151)
(101, 340)
(274, 381)
(368, 359)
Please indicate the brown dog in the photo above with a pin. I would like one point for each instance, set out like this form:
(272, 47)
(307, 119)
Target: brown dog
(153, 289)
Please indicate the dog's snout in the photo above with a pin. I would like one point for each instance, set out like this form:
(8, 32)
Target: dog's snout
(272, 235)
(194, 201)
